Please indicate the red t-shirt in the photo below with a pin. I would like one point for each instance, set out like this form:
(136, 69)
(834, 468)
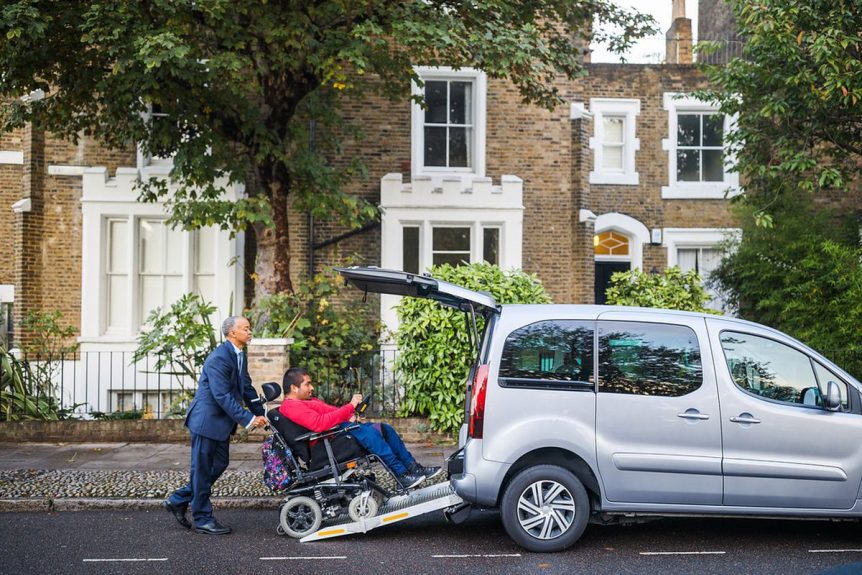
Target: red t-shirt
(315, 415)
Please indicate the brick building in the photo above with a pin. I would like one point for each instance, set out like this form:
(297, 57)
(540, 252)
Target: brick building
(628, 174)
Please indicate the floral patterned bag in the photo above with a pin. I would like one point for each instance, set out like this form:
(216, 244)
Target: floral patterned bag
(278, 464)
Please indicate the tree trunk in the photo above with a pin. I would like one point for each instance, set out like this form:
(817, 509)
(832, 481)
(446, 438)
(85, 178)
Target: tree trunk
(277, 189)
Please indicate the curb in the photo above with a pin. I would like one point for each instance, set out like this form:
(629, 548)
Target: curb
(106, 504)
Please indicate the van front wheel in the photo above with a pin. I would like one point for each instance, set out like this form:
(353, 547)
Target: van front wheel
(545, 508)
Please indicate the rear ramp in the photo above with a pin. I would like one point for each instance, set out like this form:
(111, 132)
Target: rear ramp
(414, 504)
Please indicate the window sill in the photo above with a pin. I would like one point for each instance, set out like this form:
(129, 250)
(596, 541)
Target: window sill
(716, 191)
(625, 179)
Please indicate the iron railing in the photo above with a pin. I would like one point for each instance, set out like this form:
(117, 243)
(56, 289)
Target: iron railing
(109, 384)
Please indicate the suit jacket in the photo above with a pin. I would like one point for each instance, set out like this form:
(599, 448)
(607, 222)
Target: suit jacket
(217, 407)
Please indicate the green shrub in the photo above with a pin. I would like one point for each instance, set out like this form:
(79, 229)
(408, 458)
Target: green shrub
(24, 394)
(332, 342)
(434, 352)
(27, 386)
(671, 289)
(180, 339)
(802, 276)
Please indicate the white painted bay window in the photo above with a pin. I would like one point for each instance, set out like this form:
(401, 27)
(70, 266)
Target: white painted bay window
(135, 262)
(425, 224)
(153, 267)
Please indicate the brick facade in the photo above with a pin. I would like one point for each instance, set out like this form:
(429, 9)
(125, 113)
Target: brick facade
(547, 149)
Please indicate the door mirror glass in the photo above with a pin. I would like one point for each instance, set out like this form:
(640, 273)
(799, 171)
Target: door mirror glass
(833, 397)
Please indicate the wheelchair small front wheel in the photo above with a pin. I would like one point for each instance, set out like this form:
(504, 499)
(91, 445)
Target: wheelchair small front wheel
(363, 506)
(300, 516)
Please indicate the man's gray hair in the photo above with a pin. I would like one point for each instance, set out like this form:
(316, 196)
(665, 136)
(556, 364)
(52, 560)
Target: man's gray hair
(228, 324)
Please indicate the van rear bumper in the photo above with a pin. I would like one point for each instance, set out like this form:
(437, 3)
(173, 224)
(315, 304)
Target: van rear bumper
(476, 480)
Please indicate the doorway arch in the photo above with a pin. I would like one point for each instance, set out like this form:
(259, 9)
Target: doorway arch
(618, 246)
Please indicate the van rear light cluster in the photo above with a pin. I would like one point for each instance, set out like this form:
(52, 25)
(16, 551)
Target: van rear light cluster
(477, 402)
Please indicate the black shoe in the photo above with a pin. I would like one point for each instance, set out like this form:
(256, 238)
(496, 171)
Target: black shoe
(213, 527)
(178, 512)
(428, 472)
(410, 480)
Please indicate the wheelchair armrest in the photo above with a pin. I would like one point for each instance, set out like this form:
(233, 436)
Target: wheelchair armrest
(331, 432)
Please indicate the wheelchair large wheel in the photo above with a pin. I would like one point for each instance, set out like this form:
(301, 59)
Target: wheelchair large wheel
(300, 516)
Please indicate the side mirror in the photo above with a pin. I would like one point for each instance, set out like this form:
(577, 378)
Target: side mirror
(832, 401)
(271, 390)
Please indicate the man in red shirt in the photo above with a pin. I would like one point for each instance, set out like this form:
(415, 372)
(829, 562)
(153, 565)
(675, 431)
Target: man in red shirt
(313, 414)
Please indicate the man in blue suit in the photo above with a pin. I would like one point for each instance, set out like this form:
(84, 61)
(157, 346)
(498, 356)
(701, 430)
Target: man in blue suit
(212, 418)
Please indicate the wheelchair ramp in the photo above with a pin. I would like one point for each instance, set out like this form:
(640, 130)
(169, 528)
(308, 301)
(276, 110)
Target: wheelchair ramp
(419, 502)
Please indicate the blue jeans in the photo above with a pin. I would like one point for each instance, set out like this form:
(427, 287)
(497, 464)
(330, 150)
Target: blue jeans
(386, 444)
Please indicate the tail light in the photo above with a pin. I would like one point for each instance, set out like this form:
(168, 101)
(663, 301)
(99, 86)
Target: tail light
(477, 402)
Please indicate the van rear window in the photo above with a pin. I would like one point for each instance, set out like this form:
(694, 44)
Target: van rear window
(555, 354)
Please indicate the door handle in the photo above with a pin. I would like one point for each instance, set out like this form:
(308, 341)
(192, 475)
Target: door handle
(692, 415)
(744, 418)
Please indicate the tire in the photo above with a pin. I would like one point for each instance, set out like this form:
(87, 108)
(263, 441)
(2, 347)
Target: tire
(300, 516)
(363, 506)
(561, 516)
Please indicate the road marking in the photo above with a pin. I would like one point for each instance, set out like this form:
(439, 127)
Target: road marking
(683, 552)
(485, 555)
(835, 550)
(125, 560)
(303, 558)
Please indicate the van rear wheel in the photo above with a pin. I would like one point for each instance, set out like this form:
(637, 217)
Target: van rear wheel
(545, 508)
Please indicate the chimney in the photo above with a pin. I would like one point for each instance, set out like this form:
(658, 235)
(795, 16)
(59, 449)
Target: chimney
(678, 37)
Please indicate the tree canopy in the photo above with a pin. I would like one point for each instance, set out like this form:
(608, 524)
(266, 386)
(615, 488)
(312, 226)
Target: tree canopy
(244, 83)
(803, 276)
(797, 95)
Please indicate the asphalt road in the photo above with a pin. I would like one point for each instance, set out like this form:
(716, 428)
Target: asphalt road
(103, 542)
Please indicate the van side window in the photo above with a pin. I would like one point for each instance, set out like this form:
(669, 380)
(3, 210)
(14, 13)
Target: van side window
(773, 370)
(648, 359)
(554, 354)
(824, 376)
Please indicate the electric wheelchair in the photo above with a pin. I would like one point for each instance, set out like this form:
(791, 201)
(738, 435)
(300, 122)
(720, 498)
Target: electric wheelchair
(330, 473)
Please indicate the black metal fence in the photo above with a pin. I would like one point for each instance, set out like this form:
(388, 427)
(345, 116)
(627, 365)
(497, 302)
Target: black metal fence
(110, 385)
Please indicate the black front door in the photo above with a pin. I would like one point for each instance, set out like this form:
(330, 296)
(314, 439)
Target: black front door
(604, 271)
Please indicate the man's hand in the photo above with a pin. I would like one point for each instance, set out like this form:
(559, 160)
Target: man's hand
(356, 400)
(259, 421)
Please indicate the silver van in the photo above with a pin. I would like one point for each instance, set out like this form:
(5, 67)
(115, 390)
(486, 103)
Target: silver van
(583, 412)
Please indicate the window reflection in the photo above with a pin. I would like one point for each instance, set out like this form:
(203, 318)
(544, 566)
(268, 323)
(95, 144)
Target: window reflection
(548, 351)
(648, 359)
(773, 370)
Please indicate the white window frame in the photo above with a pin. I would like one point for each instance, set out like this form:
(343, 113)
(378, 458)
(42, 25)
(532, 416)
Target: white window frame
(676, 239)
(479, 80)
(106, 199)
(628, 110)
(675, 104)
(477, 238)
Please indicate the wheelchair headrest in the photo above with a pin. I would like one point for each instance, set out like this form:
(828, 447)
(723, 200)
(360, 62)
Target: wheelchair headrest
(271, 390)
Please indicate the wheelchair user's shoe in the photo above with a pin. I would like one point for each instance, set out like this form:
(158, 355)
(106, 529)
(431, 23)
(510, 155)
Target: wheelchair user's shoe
(409, 479)
(428, 472)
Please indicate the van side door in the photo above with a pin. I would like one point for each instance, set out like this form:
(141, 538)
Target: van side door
(658, 432)
(782, 448)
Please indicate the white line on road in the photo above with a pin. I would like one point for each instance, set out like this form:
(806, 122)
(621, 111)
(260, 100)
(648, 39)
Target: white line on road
(835, 550)
(124, 560)
(486, 555)
(683, 552)
(304, 558)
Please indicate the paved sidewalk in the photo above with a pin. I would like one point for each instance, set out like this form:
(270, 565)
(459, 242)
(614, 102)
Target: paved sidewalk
(71, 476)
